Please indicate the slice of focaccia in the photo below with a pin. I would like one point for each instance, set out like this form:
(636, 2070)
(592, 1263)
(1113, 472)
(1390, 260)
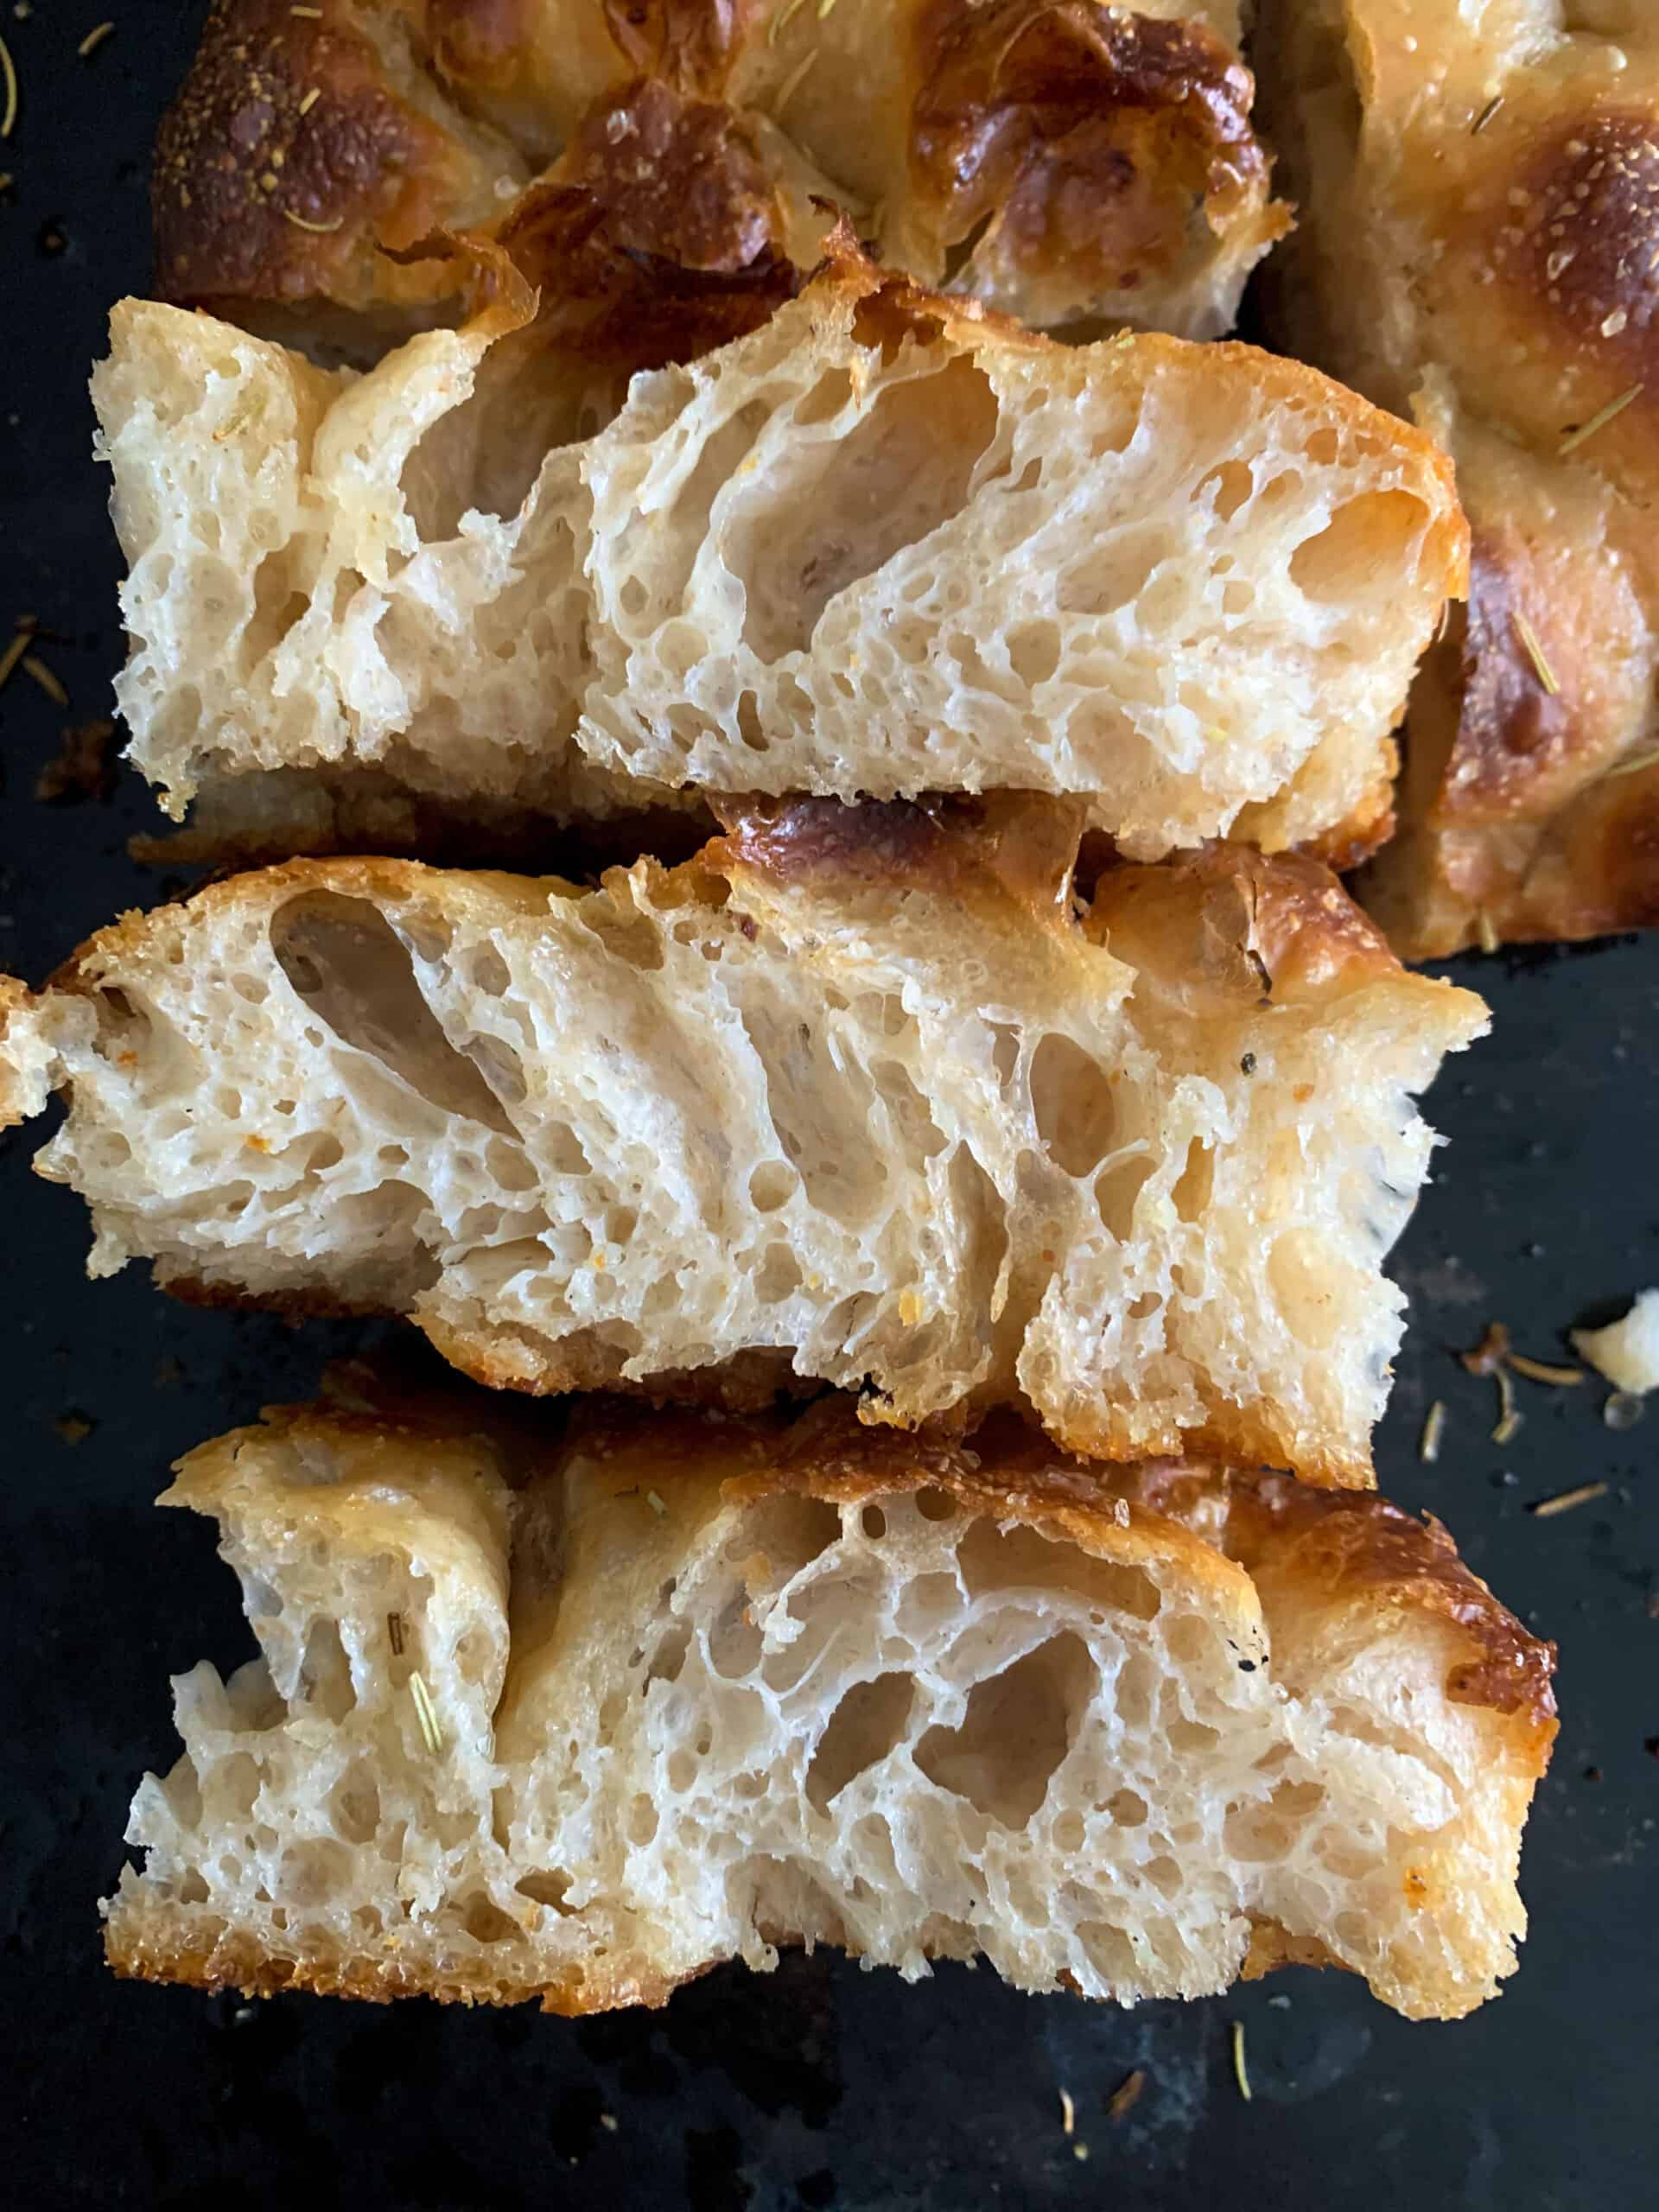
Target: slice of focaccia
(684, 1689)
(860, 1095)
(1485, 250)
(1068, 164)
(879, 544)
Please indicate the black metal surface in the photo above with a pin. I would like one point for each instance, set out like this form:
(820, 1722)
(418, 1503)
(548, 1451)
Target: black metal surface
(820, 2085)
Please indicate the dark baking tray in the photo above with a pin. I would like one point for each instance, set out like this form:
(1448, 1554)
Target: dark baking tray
(820, 2085)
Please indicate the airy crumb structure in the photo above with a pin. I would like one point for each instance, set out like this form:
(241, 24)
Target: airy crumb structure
(695, 1690)
(859, 1094)
(882, 545)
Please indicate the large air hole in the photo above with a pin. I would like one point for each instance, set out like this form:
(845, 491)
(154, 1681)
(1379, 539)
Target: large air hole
(864, 1728)
(1196, 1185)
(1358, 551)
(855, 502)
(355, 973)
(1262, 1832)
(1117, 568)
(325, 1672)
(1232, 484)
(1018, 1727)
(354, 1804)
(1022, 1558)
(1071, 1099)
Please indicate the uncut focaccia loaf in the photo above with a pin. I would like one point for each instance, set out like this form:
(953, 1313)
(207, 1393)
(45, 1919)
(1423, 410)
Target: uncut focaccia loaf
(1068, 164)
(879, 545)
(854, 1097)
(686, 1690)
(1488, 251)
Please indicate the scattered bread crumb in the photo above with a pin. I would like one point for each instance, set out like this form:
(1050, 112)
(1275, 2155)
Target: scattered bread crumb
(1627, 1351)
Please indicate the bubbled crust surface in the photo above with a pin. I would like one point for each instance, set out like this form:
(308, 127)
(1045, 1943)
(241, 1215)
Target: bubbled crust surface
(1316, 1566)
(1501, 237)
(292, 157)
(1069, 164)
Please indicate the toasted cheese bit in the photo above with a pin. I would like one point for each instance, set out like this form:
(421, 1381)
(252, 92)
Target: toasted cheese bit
(1542, 668)
(1486, 115)
(426, 1714)
(9, 80)
(1239, 2073)
(95, 39)
(1429, 1448)
(1486, 931)
(1125, 2095)
(310, 100)
(34, 666)
(1541, 1370)
(1564, 1500)
(322, 229)
(1508, 1418)
(1598, 420)
(394, 1634)
(1068, 2113)
(656, 1504)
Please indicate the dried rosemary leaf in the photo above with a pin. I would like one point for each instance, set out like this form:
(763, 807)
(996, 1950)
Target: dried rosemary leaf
(1240, 2074)
(1598, 420)
(1564, 1500)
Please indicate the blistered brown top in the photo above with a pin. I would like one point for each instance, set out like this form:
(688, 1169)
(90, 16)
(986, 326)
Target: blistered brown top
(1087, 133)
(1368, 1549)
(1278, 928)
(1088, 136)
(677, 177)
(1506, 231)
(1005, 846)
(287, 159)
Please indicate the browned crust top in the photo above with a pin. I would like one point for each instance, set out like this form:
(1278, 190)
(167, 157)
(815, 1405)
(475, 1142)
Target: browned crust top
(1092, 129)
(286, 159)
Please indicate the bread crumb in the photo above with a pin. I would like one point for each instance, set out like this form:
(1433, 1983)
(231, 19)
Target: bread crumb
(1627, 1351)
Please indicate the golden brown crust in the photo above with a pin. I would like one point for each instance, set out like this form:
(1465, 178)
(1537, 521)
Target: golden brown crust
(236, 1961)
(288, 160)
(1081, 151)
(1279, 928)
(1081, 136)
(1374, 1552)
(1503, 231)
(1003, 847)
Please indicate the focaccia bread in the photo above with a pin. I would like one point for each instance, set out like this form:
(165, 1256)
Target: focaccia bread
(858, 1096)
(1072, 164)
(680, 1690)
(1486, 250)
(879, 545)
